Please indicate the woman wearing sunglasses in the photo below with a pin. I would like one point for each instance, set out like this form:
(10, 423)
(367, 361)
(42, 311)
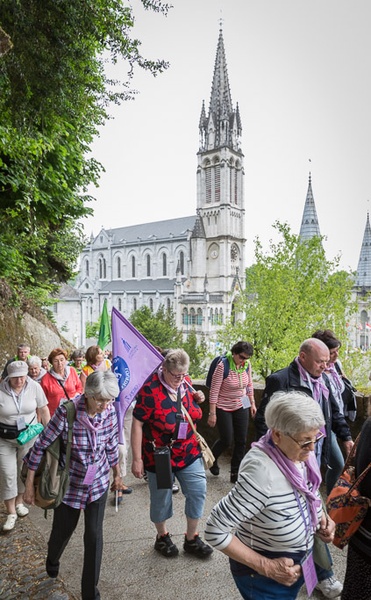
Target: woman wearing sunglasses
(267, 522)
(231, 400)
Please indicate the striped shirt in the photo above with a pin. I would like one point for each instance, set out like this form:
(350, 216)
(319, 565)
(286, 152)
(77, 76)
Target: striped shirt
(104, 457)
(227, 393)
(261, 510)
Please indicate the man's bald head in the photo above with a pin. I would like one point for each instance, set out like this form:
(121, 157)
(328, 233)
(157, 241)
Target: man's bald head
(313, 356)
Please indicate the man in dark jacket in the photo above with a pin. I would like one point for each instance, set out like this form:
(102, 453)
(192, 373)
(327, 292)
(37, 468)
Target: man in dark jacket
(305, 374)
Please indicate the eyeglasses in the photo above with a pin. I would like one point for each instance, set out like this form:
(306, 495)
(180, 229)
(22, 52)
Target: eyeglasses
(177, 376)
(305, 445)
(100, 401)
(243, 357)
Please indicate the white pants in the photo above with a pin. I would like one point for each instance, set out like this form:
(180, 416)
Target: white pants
(11, 460)
(124, 448)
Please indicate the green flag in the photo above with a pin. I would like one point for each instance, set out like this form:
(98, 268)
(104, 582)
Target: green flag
(105, 328)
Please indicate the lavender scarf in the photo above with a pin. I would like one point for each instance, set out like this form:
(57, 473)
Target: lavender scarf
(293, 475)
(316, 384)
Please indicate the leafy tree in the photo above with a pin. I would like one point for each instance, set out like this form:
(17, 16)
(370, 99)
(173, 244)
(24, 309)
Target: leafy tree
(159, 328)
(290, 292)
(197, 353)
(92, 329)
(54, 96)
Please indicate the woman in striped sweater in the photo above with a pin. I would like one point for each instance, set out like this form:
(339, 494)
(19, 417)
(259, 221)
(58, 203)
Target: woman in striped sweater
(231, 399)
(267, 522)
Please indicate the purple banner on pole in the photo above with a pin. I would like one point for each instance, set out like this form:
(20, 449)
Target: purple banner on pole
(133, 361)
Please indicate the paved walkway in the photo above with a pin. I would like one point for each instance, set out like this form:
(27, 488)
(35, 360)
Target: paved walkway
(131, 568)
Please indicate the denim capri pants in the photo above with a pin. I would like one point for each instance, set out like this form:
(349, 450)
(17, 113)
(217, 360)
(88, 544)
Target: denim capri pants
(192, 480)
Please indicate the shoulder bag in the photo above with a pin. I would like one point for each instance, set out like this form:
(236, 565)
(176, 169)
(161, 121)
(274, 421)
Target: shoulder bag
(345, 505)
(207, 455)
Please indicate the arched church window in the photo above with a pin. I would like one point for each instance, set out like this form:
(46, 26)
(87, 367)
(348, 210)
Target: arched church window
(151, 304)
(181, 262)
(221, 318)
(199, 316)
(168, 304)
(164, 264)
(135, 304)
(133, 266)
(148, 263)
(119, 304)
(208, 190)
(211, 317)
(87, 268)
(192, 317)
(118, 267)
(185, 316)
(216, 180)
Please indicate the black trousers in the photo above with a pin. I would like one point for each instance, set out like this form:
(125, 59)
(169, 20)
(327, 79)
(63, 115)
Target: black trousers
(232, 427)
(64, 524)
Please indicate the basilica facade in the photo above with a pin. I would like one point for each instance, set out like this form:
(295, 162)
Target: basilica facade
(193, 265)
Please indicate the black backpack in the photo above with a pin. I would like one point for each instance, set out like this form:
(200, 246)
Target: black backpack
(214, 364)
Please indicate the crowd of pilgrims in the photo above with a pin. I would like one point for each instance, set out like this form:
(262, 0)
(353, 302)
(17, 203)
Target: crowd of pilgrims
(296, 437)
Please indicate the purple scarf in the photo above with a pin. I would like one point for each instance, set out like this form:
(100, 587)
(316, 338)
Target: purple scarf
(338, 382)
(316, 384)
(293, 475)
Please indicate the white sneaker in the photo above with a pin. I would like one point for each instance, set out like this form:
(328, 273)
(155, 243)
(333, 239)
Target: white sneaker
(21, 510)
(330, 588)
(10, 522)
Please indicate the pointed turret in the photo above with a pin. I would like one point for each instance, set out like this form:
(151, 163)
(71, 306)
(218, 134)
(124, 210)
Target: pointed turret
(309, 224)
(363, 278)
(222, 126)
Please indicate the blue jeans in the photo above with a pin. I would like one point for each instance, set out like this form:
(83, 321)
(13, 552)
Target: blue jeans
(335, 464)
(192, 481)
(258, 587)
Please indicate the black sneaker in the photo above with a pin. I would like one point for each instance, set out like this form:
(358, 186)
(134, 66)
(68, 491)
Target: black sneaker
(165, 546)
(52, 569)
(214, 469)
(197, 547)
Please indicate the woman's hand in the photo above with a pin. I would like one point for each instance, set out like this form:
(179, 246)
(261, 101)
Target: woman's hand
(199, 397)
(252, 408)
(326, 532)
(29, 489)
(117, 484)
(211, 420)
(137, 468)
(282, 570)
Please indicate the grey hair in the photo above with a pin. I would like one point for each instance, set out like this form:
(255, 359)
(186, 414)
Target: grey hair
(102, 384)
(34, 360)
(176, 361)
(293, 412)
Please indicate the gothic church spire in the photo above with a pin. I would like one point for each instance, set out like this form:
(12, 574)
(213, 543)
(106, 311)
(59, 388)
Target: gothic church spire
(222, 126)
(363, 278)
(309, 224)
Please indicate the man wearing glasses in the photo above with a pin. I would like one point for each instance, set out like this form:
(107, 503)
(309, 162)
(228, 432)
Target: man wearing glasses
(306, 374)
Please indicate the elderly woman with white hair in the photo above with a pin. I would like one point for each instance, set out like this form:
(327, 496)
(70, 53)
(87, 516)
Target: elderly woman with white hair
(35, 369)
(94, 452)
(159, 421)
(267, 522)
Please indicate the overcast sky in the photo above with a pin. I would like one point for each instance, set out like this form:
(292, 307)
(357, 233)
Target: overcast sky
(300, 72)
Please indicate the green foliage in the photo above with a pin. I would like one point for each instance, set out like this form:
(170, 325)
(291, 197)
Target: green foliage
(290, 292)
(54, 96)
(92, 330)
(158, 328)
(357, 367)
(197, 354)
